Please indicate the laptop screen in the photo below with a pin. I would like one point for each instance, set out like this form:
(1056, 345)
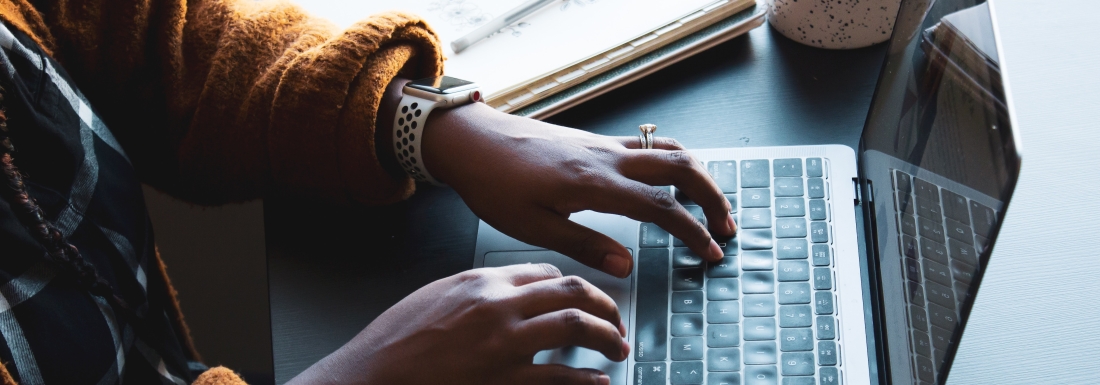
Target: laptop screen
(939, 161)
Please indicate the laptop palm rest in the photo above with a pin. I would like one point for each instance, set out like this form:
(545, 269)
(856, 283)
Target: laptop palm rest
(616, 288)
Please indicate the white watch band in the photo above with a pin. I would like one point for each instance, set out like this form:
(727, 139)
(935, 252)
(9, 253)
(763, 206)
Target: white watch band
(408, 127)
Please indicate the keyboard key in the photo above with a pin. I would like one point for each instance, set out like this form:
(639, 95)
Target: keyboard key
(942, 317)
(819, 232)
(963, 252)
(798, 364)
(687, 279)
(790, 228)
(792, 249)
(650, 373)
(962, 272)
(789, 187)
(652, 236)
(759, 328)
(793, 271)
(982, 218)
(723, 336)
(916, 293)
(697, 212)
(823, 278)
(912, 270)
(755, 239)
(686, 325)
(756, 197)
(796, 340)
(909, 247)
(683, 198)
(813, 167)
(651, 331)
(905, 204)
(823, 302)
(754, 173)
(908, 225)
(826, 327)
(758, 305)
(817, 209)
(758, 282)
(940, 338)
(684, 257)
(932, 250)
(759, 352)
(787, 167)
(723, 378)
(790, 207)
(794, 293)
(955, 207)
(815, 187)
(796, 316)
(722, 289)
(761, 375)
(687, 301)
(724, 173)
(821, 255)
(687, 348)
(828, 376)
(940, 294)
(687, 373)
(925, 371)
(918, 318)
(921, 343)
(903, 182)
(936, 272)
(728, 246)
(724, 360)
(826, 353)
(925, 190)
(959, 231)
(723, 312)
(800, 380)
(757, 260)
(929, 209)
(724, 268)
(756, 219)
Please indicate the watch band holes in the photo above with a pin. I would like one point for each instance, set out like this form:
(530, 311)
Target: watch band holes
(412, 136)
(406, 129)
(404, 109)
(413, 106)
(399, 133)
(413, 124)
(408, 116)
(417, 113)
(400, 121)
(405, 141)
(412, 149)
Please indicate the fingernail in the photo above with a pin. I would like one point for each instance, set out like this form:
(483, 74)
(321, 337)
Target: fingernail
(626, 349)
(729, 223)
(617, 265)
(622, 329)
(715, 251)
(604, 380)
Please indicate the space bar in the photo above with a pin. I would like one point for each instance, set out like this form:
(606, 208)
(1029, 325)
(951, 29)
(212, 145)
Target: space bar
(651, 324)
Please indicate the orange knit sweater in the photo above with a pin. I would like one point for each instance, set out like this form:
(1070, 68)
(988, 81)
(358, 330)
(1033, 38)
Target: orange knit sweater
(227, 100)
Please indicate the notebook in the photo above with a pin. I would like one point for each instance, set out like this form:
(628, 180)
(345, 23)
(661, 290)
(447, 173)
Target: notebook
(557, 55)
(804, 294)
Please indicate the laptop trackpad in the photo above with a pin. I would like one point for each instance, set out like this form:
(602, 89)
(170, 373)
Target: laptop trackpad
(616, 288)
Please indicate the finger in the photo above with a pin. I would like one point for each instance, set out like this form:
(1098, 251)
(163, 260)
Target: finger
(564, 293)
(545, 228)
(659, 143)
(646, 203)
(522, 274)
(680, 169)
(555, 374)
(572, 327)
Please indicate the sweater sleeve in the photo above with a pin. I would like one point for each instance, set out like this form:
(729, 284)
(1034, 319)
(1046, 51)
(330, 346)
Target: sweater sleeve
(219, 376)
(227, 100)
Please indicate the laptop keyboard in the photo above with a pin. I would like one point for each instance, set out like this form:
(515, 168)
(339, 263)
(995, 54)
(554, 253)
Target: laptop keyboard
(765, 313)
(942, 235)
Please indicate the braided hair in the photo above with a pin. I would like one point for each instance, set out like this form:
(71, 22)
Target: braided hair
(59, 252)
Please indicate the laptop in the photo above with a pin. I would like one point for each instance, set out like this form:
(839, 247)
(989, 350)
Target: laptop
(849, 267)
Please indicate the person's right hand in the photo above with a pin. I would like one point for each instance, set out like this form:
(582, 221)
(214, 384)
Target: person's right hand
(482, 326)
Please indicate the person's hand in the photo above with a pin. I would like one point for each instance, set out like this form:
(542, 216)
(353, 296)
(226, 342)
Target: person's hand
(483, 326)
(525, 177)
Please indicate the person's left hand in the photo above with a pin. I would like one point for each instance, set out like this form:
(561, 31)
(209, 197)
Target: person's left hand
(525, 177)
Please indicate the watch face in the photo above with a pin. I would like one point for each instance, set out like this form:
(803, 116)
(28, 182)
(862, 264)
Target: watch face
(442, 85)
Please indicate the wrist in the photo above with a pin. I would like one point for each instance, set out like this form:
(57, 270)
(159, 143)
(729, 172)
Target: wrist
(383, 127)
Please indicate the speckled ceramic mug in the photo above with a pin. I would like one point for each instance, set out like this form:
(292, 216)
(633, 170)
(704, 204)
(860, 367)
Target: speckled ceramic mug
(837, 24)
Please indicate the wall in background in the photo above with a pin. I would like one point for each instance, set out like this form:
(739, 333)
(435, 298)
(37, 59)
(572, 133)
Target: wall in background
(216, 260)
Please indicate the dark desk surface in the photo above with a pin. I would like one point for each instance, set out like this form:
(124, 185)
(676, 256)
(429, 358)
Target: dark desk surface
(334, 269)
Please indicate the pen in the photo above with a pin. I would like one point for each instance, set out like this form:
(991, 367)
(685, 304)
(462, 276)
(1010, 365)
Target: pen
(499, 23)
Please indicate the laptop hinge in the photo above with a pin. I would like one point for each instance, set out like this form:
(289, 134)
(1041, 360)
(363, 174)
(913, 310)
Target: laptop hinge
(855, 188)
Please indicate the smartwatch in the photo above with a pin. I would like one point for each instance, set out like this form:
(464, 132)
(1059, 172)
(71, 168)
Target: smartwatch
(421, 97)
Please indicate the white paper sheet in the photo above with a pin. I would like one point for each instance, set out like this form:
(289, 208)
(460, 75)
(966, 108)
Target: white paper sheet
(552, 38)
